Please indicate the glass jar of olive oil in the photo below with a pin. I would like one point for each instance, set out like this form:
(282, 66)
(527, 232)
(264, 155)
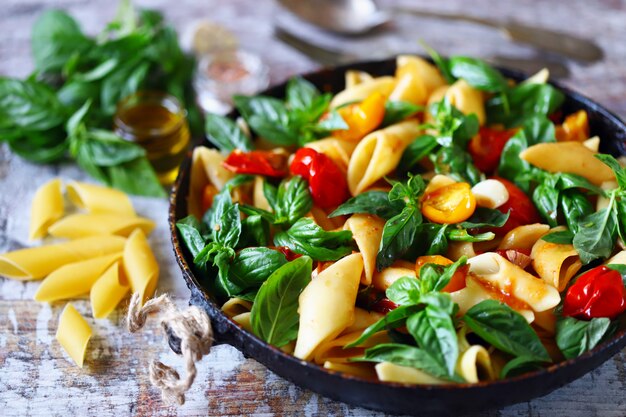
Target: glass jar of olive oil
(157, 122)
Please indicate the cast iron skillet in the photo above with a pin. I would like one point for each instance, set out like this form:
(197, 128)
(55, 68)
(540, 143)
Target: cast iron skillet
(396, 397)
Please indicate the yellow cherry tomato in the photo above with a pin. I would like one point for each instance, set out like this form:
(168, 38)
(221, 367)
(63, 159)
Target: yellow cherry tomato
(453, 203)
(361, 118)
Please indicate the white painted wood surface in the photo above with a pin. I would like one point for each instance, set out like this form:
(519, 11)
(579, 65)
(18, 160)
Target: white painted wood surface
(36, 376)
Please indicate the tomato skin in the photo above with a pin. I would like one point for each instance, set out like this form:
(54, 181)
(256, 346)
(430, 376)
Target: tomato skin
(266, 163)
(521, 208)
(361, 118)
(374, 300)
(599, 292)
(289, 254)
(487, 146)
(449, 204)
(327, 183)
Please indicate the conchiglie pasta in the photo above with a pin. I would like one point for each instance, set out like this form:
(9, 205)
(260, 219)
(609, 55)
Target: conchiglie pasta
(108, 291)
(511, 279)
(361, 91)
(367, 231)
(206, 169)
(98, 199)
(75, 279)
(73, 333)
(35, 263)
(378, 154)
(47, 207)
(555, 263)
(140, 267)
(78, 226)
(327, 304)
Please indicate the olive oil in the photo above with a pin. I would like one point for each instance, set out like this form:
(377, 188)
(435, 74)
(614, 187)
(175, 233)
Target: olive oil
(157, 122)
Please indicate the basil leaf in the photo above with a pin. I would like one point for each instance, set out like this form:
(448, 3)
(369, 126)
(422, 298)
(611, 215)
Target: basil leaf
(191, 235)
(409, 356)
(505, 329)
(255, 231)
(370, 202)
(274, 316)
(253, 266)
(477, 73)
(55, 38)
(267, 108)
(136, 177)
(522, 102)
(564, 237)
(334, 121)
(441, 63)
(293, 200)
(300, 93)
(611, 162)
(440, 300)
(596, 235)
(408, 192)
(434, 332)
(575, 337)
(396, 111)
(520, 365)
(457, 163)
(416, 151)
(575, 206)
(546, 199)
(485, 217)
(567, 181)
(394, 319)
(255, 211)
(225, 134)
(398, 235)
(273, 132)
(28, 105)
(404, 291)
(439, 242)
(228, 228)
(307, 238)
(270, 192)
(434, 277)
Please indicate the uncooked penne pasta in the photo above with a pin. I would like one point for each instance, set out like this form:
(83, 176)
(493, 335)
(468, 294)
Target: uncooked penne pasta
(97, 199)
(77, 226)
(73, 333)
(75, 279)
(37, 262)
(140, 267)
(47, 207)
(108, 291)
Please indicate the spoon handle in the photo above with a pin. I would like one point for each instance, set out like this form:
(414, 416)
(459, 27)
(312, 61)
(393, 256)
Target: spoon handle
(324, 56)
(562, 43)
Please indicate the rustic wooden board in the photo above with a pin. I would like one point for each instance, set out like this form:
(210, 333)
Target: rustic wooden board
(36, 376)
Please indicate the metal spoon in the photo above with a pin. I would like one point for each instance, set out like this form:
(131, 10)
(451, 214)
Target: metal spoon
(331, 57)
(355, 17)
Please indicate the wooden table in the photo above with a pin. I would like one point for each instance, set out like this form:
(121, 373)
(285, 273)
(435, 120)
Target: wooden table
(36, 376)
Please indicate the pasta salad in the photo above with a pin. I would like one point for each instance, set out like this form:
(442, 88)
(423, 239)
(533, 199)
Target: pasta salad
(443, 224)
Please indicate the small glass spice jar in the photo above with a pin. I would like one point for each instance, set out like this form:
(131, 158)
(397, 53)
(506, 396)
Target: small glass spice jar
(157, 122)
(222, 74)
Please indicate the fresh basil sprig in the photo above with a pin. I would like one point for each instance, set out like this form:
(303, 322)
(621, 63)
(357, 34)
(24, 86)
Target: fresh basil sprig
(274, 316)
(575, 337)
(428, 315)
(293, 122)
(396, 111)
(370, 202)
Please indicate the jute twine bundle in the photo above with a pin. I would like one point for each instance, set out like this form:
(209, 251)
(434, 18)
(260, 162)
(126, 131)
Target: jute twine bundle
(192, 326)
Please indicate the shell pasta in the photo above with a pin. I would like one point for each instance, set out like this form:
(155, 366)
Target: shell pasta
(414, 227)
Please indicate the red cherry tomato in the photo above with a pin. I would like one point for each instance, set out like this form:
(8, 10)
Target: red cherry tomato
(521, 207)
(271, 164)
(289, 254)
(486, 147)
(327, 182)
(599, 292)
(374, 300)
